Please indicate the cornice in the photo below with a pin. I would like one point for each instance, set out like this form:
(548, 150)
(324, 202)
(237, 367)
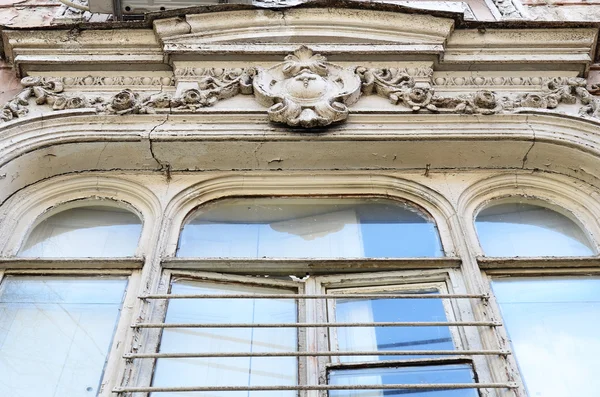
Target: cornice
(566, 49)
(360, 30)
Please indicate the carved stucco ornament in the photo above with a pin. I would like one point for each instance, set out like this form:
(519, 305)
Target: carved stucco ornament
(306, 90)
(45, 92)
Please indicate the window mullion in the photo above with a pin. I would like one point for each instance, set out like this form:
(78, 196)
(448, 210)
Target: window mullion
(314, 312)
(147, 340)
(471, 338)
(123, 333)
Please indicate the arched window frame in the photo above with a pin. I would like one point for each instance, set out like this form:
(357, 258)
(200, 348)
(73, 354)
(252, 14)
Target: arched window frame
(38, 202)
(453, 219)
(538, 202)
(557, 193)
(300, 185)
(27, 208)
(358, 186)
(577, 201)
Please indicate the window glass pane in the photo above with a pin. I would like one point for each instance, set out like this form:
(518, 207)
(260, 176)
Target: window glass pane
(309, 228)
(553, 326)
(452, 373)
(519, 229)
(95, 231)
(55, 334)
(238, 371)
(391, 338)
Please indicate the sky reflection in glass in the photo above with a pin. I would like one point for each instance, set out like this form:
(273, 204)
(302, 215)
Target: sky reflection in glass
(309, 228)
(553, 325)
(391, 338)
(55, 333)
(228, 371)
(518, 229)
(85, 232)
(453, 373)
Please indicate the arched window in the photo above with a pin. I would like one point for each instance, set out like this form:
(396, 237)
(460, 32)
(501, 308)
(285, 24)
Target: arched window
(550, 318)
(524, 229)
(58, 328)
(96, 231)
(309, 228)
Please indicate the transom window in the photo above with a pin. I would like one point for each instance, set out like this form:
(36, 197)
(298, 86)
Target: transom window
(90, 231)
(524, 229)
(309, 228)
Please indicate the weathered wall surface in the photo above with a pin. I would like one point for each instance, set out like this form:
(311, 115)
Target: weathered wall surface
(562, 10)
(9, 83)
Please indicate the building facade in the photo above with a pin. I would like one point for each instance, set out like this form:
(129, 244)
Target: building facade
(408, 191)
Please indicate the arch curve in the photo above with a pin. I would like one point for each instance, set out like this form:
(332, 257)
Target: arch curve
(558, 193)
(37, 202)
(301, 185)
(40, 149)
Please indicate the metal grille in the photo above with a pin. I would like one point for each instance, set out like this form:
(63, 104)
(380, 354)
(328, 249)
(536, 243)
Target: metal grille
(322, 387)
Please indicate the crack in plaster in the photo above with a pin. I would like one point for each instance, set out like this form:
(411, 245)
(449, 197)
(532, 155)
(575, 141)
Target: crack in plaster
(100, 155)
(533, 141)
(254, 152)
(165, 167)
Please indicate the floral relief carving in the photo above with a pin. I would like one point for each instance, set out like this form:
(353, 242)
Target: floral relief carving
(396, 85)
(213, 85)
(306, 90)
(45, 92)
(400, 88)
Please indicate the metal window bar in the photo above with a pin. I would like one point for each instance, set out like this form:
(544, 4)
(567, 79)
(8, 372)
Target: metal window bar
(323, 325)
(325, 296)
(436, 386)
(412, 386)
(324, 354)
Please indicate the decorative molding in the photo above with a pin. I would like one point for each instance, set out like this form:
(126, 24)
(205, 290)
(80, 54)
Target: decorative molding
(214, 84)
(225, 75)
(93, 81)
(496, 81)
(400, 88)
(306, 90)
(397, 86)
(45, 92)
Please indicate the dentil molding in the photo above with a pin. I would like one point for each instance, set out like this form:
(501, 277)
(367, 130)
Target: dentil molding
(307, 91)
